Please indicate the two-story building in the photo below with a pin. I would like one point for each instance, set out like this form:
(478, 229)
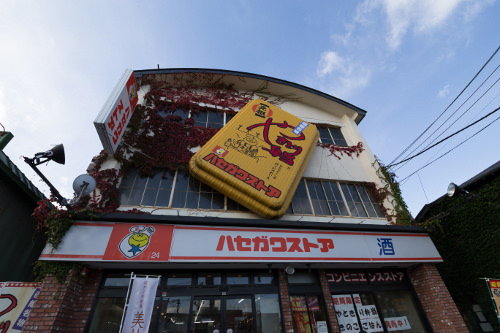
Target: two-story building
(336, 261)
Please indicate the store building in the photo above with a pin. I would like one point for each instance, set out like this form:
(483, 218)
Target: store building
(22, 245)
(467, 238)
(336, 261)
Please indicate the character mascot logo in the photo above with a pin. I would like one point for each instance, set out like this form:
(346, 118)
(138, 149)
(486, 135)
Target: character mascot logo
(137, 241)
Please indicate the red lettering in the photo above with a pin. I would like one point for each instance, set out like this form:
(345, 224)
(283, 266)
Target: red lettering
(308, 245)
(252, 180)
(295, 247)
(260, 244)
(231, 169)
(281, 241)
(273, 192)
(222, 239)
(221, 164)
(243, 244)
(212, 158)
(241, 174)
(326, 244)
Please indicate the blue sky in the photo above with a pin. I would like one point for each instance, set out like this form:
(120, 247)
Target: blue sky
(402, 61)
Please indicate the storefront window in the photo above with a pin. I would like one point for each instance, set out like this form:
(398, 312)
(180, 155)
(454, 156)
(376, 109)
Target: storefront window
(308, 314)
(399, 311)
(386, 304)
(178, 280)
(206, 315)
(209, 279)
(239, 315)
(267, 308)
(107, 315)
(263, 278)
(237, 279)
(174, 316)
(195, 302)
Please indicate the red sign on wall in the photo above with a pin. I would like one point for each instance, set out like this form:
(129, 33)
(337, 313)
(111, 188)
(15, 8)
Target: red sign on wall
(139, 242)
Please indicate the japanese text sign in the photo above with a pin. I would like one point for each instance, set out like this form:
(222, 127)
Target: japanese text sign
(140, 305)
(117, 111)
(16, 301)
(257, 159)
(494, 287)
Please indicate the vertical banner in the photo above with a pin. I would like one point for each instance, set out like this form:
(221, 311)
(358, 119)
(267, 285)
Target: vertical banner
(16, 301)
(494, 288)
(140, 305)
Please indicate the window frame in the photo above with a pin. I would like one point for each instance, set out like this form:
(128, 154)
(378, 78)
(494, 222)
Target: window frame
(331, 137)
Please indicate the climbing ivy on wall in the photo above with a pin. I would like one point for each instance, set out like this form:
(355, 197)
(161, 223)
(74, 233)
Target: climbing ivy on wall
(392, 192)
(156, 138)
(469, 243)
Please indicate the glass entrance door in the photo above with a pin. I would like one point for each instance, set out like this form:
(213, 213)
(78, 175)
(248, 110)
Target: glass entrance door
(222, 314)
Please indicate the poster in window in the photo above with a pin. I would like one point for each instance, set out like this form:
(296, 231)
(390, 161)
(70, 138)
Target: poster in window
(494, 286)
(368, 315)
(346, 313)
(300, 315)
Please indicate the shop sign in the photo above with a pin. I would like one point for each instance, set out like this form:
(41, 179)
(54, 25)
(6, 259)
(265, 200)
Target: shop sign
(362, 277)
(16, 301)
(140, 305)
(258, 158)
(161, 242)
(139, 242)
(116, 112)
(267, 245)
(397, 324)
(494, 288)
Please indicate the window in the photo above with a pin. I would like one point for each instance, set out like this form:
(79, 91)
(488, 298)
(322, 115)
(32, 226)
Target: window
(331, 198)
(181, 190)
(191, 301)
(332, 135)
(203, 118)
(208, 118)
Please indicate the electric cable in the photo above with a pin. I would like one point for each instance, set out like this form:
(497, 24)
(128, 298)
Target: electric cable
(473, 104)
(468, 84)
(449, 150)
(449, 136)
(468, 98)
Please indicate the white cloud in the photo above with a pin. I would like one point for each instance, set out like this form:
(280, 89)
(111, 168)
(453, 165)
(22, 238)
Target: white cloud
(417, 16)
(346, 73)
(444, 91)
(329, 62)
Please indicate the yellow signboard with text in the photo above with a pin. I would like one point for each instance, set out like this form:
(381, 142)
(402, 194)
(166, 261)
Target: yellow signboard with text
(258, 158)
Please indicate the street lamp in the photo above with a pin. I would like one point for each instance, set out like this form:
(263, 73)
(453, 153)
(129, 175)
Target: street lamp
(83, 184)
(455, 189)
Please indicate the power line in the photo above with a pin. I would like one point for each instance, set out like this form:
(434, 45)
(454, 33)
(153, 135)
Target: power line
(468, 109)
(449, 136)
(468, 84)
(449, 150)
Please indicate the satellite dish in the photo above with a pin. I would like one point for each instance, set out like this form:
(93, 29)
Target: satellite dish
(84, 185)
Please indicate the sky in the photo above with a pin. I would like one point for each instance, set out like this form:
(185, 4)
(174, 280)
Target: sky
(403, 61)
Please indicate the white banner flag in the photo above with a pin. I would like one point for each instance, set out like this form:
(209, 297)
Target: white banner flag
(140, 305)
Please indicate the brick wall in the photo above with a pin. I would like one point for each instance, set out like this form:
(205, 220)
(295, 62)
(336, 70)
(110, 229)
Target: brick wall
(286, 306)
(64, 308)
(436, 300)
(327, 295)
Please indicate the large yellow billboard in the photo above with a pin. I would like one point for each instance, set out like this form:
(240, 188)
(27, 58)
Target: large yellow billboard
(258, 158)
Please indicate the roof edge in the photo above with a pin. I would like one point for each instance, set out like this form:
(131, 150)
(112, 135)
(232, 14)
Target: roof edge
(361, 113)
(262, 223)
